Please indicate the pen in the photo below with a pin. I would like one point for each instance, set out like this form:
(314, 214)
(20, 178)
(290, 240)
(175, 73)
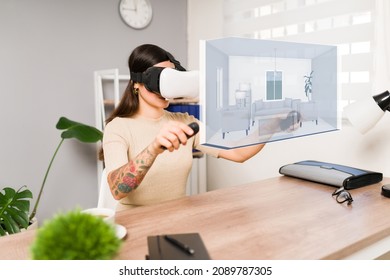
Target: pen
(180, 245)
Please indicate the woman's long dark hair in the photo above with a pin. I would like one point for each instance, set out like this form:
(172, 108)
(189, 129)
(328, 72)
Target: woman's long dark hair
(142, 57)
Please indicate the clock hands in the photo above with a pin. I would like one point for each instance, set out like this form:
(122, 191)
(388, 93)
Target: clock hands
(129, 9)
(134, 8)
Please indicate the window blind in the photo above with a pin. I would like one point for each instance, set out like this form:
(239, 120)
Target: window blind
(347, 24)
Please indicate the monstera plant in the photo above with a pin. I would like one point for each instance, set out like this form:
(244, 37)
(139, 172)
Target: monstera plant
(15, 204)
(14, 209)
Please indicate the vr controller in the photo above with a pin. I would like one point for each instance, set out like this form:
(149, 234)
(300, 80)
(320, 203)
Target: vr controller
(194, 126)
(168, 82)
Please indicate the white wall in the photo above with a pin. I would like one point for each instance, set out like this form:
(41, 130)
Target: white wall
(346, 146)
(204, 22)
(48, 52)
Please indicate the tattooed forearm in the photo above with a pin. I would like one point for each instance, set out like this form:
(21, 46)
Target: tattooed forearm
(128, 177)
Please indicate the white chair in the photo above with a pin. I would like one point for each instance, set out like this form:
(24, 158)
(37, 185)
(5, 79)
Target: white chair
(105, 197)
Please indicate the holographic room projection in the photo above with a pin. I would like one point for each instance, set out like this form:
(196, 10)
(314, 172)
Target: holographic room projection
(256, 91)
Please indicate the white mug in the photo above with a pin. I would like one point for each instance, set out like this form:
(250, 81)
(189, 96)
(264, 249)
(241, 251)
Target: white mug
(107, 214)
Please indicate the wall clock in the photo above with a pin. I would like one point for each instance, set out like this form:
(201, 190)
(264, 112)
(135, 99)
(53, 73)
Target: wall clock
(136, 13)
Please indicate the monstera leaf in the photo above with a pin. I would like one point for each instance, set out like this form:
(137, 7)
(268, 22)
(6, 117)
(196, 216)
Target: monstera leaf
(81, 132)
(14, 210)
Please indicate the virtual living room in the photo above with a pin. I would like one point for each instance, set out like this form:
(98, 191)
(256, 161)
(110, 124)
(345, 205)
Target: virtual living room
(259, 91)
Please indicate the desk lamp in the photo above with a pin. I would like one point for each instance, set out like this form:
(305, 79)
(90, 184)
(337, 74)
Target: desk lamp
(364, 114)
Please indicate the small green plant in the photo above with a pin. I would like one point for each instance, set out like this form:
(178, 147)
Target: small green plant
(11, 221)
(75, 236)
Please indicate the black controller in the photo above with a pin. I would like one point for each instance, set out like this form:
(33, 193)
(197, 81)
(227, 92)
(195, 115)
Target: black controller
(194, 126)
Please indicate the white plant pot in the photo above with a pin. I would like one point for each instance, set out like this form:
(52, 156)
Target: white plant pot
(34, 224)
(309, 96)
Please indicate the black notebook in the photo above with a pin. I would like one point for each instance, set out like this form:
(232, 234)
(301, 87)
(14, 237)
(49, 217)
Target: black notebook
(186, 246)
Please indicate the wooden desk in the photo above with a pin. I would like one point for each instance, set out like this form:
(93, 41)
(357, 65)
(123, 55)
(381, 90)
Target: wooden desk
(278, 218)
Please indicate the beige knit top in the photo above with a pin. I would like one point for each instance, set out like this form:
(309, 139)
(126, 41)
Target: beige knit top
(125, 138)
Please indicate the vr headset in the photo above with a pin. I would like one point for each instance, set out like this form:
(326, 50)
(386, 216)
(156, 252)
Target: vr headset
(168, 82)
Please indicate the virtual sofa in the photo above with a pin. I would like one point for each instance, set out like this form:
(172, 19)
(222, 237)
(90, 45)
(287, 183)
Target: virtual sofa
(262, 108)
(235, 119)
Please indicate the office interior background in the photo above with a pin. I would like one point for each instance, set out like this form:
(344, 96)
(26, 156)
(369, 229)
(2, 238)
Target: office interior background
(49, 50)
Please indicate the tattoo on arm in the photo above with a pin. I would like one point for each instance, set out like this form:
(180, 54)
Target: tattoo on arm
(128, 177)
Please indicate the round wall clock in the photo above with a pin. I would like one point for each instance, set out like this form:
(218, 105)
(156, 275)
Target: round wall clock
(136, 13)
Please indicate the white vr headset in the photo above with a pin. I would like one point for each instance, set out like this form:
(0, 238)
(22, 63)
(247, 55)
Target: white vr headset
(168, 82)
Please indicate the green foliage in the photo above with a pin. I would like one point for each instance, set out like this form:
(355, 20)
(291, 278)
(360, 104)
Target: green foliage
(14, 209)
(81, 132)
(75, 236)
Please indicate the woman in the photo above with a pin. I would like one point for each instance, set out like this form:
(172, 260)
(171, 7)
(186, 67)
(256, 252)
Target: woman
(147, 153)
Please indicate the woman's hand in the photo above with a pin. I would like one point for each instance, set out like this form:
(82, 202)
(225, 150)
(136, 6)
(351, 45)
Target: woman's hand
(171, 136)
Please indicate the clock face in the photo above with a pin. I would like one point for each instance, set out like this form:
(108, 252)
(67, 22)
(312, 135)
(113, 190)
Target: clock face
(136, 13)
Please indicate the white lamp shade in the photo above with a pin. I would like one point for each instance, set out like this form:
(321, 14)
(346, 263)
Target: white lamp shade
(244, 87)
(364, 114)
(240, 94)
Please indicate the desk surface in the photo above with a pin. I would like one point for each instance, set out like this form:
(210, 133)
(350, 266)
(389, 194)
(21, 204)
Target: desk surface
(278, 218)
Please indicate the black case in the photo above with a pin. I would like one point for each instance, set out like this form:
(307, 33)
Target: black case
(331, 174)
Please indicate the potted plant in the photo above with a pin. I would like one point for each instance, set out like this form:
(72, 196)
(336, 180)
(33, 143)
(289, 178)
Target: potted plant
(15, 204)
(14, 209)
(75, 235)
(308, 85)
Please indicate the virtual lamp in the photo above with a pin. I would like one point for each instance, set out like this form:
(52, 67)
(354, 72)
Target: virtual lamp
(364, 114)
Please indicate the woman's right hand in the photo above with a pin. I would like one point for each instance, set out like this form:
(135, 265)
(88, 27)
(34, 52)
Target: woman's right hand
(171, 136)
